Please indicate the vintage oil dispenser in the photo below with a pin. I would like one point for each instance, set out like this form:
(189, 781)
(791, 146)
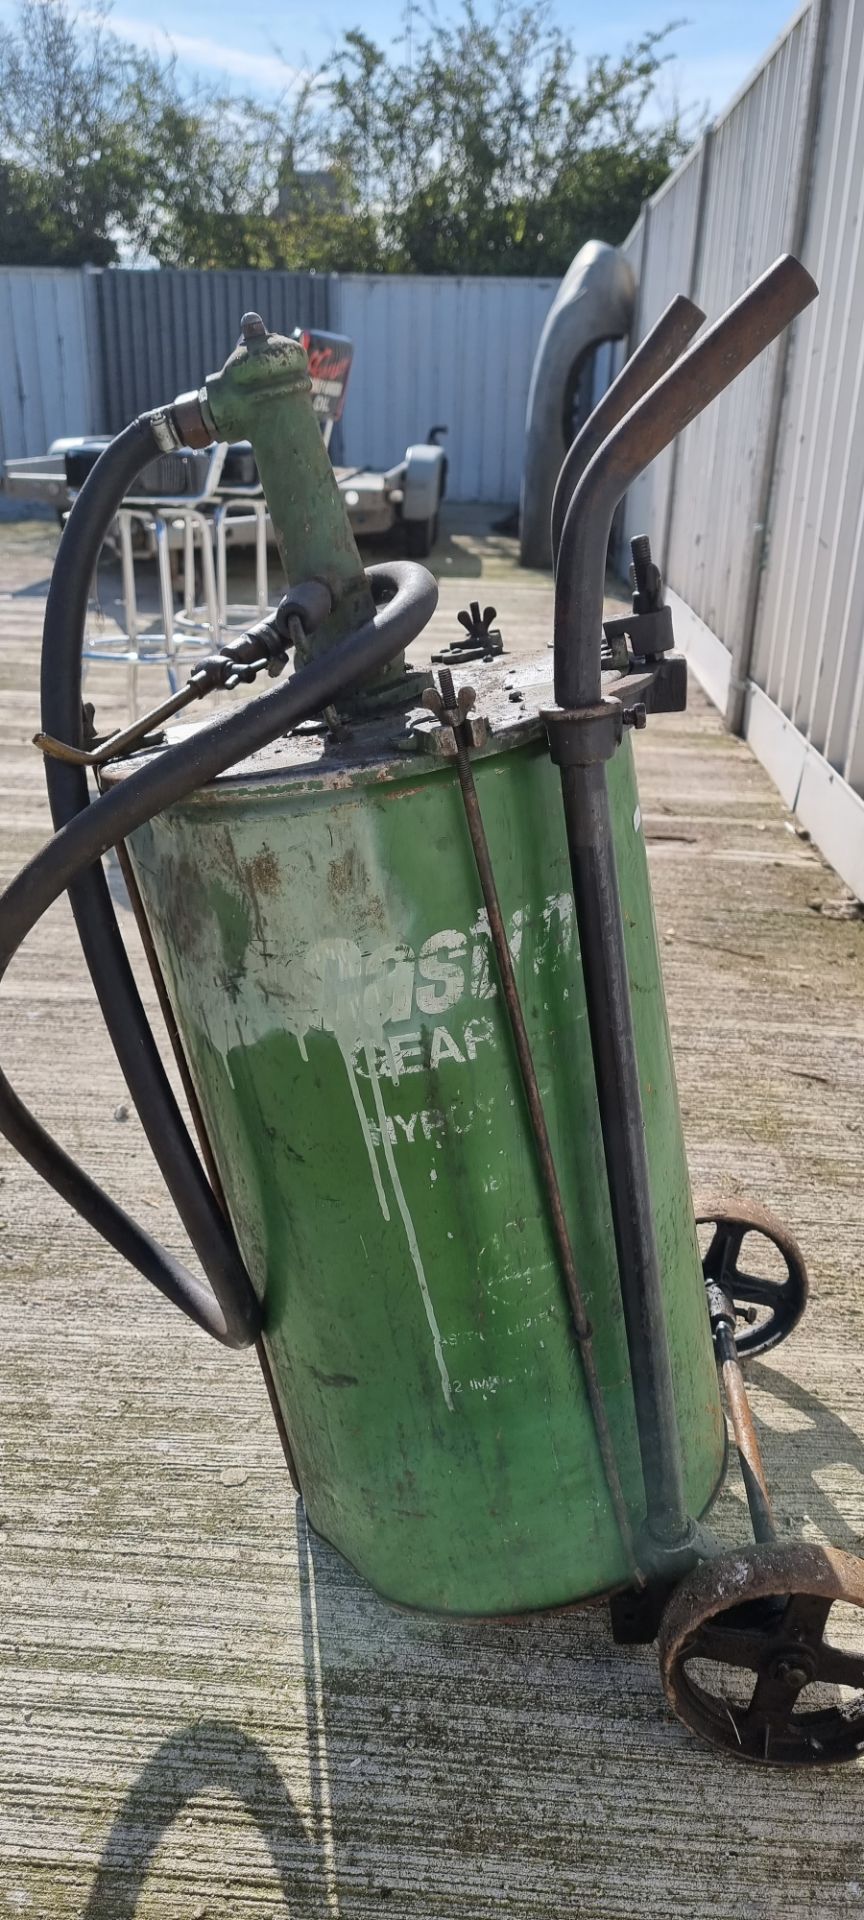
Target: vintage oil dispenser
(418, 1008)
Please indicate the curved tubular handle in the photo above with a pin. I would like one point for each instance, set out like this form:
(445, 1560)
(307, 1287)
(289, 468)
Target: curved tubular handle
(659, 349)
(710, 365)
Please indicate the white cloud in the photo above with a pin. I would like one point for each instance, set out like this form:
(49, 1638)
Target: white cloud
(265, 70)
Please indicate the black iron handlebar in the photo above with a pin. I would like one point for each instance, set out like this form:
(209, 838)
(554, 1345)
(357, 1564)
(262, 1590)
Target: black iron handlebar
(670, 1535)
(659, 349)
(708, 366)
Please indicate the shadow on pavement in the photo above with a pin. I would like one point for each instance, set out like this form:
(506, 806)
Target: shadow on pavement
(196, 1759)
(461, 1769)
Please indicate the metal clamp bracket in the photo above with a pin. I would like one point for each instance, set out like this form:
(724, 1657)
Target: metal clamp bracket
(648, 625)
(584, 736)
(649, 633)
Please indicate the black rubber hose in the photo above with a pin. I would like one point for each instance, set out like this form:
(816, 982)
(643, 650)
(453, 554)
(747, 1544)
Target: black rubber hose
(170, 1142)
(87, 829)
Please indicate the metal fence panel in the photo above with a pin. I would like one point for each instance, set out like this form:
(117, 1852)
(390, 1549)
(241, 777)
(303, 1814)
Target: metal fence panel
(162, 331)
(46, 375)
(451, 352)
(765, 519)
(90, 350)
(809, 651)
(661, 252)
(751, 196)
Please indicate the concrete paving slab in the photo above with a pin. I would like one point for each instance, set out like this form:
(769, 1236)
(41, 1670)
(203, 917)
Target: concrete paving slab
(204, 1715)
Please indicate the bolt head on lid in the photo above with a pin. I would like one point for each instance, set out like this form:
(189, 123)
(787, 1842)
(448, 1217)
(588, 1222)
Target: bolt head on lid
(252, 328)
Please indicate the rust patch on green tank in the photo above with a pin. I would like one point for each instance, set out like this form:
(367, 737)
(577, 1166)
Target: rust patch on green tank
(262, 872)
(346, 876)
(186, 904)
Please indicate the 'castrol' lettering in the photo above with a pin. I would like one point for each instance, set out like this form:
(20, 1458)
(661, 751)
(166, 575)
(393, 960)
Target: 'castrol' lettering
(363, 993)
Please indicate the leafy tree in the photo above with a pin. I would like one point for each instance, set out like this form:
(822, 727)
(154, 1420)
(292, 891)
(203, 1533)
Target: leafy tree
(482, 147)
(248, 199)
(104, 155)
(72, 148)
(479, 144)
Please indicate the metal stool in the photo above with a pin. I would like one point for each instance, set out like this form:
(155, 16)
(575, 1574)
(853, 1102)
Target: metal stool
(178, 529)
(242, 511)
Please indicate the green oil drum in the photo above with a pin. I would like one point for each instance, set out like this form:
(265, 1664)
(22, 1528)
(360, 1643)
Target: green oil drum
(319, 922)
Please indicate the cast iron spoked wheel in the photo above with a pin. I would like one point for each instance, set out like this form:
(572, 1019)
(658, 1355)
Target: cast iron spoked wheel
(773, 1304)
(746, 1663)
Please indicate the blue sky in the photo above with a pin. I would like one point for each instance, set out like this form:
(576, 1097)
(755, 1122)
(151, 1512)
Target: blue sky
(227, 44)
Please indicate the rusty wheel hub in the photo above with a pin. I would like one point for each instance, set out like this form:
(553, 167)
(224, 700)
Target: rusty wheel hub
(771, 1306)
(764, 1612)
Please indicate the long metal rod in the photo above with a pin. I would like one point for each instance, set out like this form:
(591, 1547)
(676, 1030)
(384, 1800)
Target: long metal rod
(120, 742)
(746, 1438)
(542, 1143)
(659, 350)
(610, 1019)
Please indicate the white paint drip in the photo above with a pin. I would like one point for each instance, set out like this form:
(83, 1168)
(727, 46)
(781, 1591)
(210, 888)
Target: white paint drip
(558, 906)
(410, 1234)
(365, 1129)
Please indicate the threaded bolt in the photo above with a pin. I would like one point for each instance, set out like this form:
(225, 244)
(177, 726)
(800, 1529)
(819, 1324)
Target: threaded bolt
(252, 328)
(640, 548)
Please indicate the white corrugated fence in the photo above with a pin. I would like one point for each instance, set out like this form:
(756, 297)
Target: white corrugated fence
(757, 515)
(49, 378)
(451, 352)
(82, 352)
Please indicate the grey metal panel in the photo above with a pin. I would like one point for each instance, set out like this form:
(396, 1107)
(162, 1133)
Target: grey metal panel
(802, 412)
(45, 368)
(163, 331)
(663, 259)
(748, 211)
(809, 654)
(456, 352)
(593, 306)
(86, 352)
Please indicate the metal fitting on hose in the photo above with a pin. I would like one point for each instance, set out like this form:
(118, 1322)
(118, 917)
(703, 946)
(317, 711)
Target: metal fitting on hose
(192, 419)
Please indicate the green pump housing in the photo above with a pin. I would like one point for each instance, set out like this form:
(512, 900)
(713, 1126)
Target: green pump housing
(262, 395)
(319, 923)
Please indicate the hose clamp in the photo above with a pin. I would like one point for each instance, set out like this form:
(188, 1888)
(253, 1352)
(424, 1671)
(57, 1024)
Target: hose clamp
(164, 429)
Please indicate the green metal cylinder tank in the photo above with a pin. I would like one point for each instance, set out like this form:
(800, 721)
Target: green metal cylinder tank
(318, 919)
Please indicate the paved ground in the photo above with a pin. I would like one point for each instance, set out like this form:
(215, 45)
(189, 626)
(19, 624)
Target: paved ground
(202, 1715)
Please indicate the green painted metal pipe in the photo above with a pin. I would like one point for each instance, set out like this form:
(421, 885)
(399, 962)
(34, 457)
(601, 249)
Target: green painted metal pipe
(261, 394)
